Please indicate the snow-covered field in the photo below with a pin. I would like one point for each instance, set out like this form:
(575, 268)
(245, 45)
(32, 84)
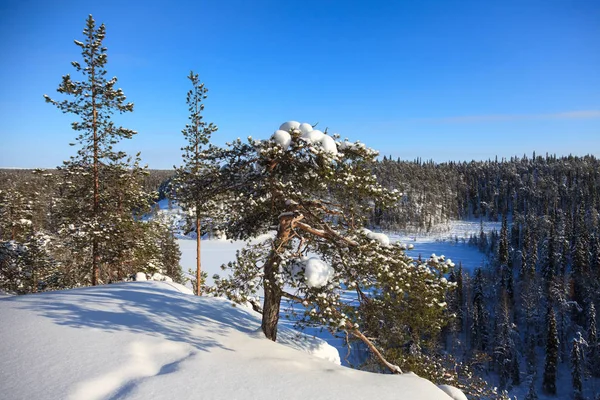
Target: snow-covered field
(218, 252)
(153, 340)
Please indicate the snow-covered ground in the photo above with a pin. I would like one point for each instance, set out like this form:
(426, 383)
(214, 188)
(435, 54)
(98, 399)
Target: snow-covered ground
(153, 340)
(215, 253)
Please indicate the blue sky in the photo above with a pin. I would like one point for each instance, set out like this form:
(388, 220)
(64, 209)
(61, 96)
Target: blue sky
(447, 79)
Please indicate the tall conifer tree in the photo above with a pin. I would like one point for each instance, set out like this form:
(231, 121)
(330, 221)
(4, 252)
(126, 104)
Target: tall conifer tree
(551, 364)
(193, 177)
(94, 216)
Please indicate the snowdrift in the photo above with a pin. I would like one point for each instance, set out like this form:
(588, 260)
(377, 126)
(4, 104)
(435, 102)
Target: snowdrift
(148, 340)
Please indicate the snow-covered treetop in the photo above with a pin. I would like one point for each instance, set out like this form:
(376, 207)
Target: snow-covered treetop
(294, 130)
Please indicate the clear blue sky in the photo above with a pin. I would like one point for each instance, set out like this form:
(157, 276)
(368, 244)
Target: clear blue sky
(446, 79)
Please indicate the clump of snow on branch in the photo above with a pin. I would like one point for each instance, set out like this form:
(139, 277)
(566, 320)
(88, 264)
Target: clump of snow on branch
(316, 272)
(305, 132)
(382, 238)
(282, 138)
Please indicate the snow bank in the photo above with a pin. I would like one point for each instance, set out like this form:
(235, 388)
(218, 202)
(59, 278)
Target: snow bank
(312, 345)
(145, 340)
(453, 392)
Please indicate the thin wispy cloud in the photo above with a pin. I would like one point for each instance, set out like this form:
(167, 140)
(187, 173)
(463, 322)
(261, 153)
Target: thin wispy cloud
(581, 114)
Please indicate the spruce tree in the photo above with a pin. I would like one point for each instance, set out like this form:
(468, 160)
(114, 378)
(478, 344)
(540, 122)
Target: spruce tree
(577, 369)
(94, 217)
(194, 176)
(479, 324)
(531, 393)
(593, 355)
(551, 363)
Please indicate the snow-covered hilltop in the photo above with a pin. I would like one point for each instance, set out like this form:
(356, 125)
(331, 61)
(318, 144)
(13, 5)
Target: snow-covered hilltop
(151, 340)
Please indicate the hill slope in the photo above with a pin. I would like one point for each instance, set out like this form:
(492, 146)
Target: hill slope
(148, 340)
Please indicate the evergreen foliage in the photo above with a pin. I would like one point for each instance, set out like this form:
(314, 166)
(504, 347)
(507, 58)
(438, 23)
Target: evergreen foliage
(577, 368)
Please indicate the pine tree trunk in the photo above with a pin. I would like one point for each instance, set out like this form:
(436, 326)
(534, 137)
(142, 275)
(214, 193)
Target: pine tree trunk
(198, 260)
(272, 302)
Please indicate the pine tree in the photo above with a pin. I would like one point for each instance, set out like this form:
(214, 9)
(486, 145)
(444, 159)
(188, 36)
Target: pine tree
(479, 329)
(319, 194)
(551, 363)
(194, 176)
(92, 213)
(593, 356)
(576, 369)
(531, 393)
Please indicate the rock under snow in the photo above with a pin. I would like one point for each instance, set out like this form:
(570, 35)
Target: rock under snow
(160, 277)
(141, 276)
(282, 138)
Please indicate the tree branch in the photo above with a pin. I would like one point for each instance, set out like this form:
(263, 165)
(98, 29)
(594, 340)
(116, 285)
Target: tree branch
(394, 369)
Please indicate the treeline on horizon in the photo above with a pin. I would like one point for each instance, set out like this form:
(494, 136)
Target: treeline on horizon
(435, 193)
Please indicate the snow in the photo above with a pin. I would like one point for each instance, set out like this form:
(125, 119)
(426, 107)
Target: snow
(314, 136)
(141, 276)
(148, 340)
(382, 238)
(305, 128)
(290, 125)
(329, 144)
(282, 138)
(317, 273)
(309, 135)
(160, 277)
(453, 392)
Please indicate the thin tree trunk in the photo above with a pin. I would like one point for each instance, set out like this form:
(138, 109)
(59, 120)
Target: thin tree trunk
(96, 211)
(198, 260)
